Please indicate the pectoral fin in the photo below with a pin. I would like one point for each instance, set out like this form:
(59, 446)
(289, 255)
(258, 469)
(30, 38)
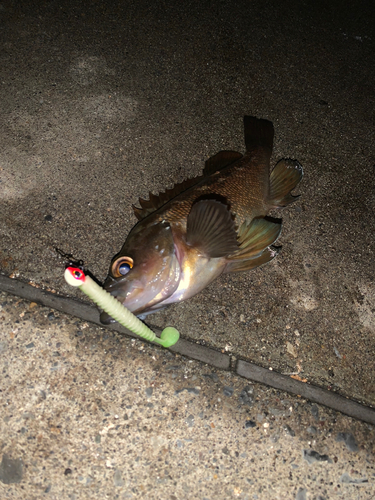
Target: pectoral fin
(283, 179)
(210, 228)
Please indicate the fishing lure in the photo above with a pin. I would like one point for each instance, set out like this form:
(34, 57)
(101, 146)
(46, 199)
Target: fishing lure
(75, 276)
(70, 260)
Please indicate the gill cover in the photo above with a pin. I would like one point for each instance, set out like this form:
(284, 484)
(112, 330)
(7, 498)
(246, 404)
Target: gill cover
(146, 271)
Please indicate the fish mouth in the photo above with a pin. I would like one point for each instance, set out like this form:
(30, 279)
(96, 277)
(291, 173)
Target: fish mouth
(143, 295)
(121, 288)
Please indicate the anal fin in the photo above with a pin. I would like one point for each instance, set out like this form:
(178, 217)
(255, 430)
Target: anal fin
(245, 265)
(255, 239)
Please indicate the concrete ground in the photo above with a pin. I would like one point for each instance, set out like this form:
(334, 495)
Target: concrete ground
(102, 102)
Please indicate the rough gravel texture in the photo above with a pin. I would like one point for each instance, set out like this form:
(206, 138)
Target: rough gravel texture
(102, 102)
(88, 414)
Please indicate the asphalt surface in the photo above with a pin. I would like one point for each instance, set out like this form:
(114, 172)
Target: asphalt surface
(102, 102)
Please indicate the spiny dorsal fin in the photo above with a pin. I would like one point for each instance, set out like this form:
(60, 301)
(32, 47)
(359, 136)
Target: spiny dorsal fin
(157, 201)
(212, 165)
(210, 228)
(220, 160)
(137, 212)
(258, 132)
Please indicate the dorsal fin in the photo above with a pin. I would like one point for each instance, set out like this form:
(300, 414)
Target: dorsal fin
(157, 201)
(258, 132)
(220, 160)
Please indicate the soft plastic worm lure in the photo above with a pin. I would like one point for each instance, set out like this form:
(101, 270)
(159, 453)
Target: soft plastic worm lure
(76, 277)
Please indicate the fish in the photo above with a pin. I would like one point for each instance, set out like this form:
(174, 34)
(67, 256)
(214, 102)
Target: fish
(205, 226)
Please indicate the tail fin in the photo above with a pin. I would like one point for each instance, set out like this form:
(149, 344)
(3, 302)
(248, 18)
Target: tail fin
(284, 178)
(258, 132)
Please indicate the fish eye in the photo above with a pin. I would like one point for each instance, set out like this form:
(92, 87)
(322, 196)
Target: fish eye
(122, 266)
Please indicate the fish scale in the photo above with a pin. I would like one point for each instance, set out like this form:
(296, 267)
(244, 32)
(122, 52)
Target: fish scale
(244, 189)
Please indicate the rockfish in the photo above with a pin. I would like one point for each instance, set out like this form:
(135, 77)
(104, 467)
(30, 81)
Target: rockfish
(212, 224)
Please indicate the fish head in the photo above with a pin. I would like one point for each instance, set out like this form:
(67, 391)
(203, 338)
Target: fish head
(146, 270)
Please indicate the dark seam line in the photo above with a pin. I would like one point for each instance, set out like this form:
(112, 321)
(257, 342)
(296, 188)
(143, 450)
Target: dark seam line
(197, 352)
